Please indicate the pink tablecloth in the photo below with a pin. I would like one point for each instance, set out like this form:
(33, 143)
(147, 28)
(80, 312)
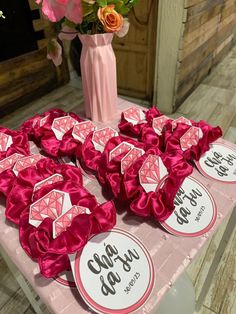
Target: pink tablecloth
(171, 255)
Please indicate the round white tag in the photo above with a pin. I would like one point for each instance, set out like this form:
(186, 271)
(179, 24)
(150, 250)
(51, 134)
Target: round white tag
(219, 163)
(195, 210)
(114, 272)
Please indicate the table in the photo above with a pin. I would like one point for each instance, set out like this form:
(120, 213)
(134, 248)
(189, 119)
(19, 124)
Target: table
(171, 255)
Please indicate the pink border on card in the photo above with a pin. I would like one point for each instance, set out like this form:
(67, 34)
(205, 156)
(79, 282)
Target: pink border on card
(197, 163)
(65, 283)
(201, 232)
(131, 308)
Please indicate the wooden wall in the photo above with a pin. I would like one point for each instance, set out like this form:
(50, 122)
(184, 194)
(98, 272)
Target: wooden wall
(30, 75)
(135, 53)
(209, 33)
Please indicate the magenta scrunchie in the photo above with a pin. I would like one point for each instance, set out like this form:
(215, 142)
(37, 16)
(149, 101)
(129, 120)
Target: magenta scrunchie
(20, 196)
(52, 254)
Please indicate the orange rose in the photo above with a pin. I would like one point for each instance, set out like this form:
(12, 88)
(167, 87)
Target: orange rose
(111, 20)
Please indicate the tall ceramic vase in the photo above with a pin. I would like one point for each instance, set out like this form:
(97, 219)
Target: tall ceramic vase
(98, 71)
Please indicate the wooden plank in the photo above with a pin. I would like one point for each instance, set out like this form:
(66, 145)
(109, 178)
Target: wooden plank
(167, 52)
(193, 80)
(201, 30)
(225, 278)
(28, 73)
(204, 100)
(202, 18)
(202, 6)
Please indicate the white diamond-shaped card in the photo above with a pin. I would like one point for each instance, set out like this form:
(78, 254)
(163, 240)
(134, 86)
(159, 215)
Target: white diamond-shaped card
(159, 123)
(134, 115)
(9, 162)
(82, 130)
(102, 136)
(180, 120)
(43, 120)
(36, 121)
(48, 181)
(190, 138)
(120, 149)
(130, 158)
(63, 221)
(5, 141)
(26, 162)
(152, 173)
(51, 205)
(62, 125)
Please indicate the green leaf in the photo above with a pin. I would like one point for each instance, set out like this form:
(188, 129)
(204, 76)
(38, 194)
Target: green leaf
(102, 3)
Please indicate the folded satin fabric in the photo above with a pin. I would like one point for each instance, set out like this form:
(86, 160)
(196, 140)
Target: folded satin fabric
(158, 203)
(19, 145)
(109, 171)
(52, 253)
(40, 130)
(21, 194)
(135, 130)
(173, 138)
(16, 144)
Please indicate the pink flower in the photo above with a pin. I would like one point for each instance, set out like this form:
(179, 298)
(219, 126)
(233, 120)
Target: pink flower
(54, 52)
(67, 33)
(55, 10)
(125, 28)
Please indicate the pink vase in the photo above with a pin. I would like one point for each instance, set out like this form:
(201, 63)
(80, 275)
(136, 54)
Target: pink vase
(98, 71)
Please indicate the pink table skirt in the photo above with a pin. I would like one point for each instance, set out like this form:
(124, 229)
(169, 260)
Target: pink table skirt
(171, 255)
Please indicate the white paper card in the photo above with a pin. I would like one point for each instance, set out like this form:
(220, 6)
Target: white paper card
(195, 210)
(114, 272)
(219, 163)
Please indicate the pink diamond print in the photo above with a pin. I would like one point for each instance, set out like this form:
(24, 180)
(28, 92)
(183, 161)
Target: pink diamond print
(130, 158)
(62, 125)
(134, 115)
(50, 205)
(50, 180)
(9, 162)
(65, 220)
(151, 173)
(82, 130)
(159, 123)
(190, 138)
(26, 162)
(180, 120)
(5, 142)
(102, 136)
(121, 148)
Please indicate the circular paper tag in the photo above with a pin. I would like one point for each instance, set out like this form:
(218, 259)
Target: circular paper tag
(195, 210)
(66, 279)
(219, 163)
(114, 272)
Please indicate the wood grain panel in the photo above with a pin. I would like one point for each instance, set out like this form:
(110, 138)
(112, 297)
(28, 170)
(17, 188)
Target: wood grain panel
(31, 75)
(135, 52)
(209, 34)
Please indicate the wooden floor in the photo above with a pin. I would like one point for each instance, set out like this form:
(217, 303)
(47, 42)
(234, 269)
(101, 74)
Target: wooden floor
(214, 271)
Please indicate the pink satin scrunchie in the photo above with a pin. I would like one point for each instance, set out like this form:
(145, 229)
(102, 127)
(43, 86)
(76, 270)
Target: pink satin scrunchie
(172, 139)
(20, 145)
(20, 196)
(129, 129)
(109, 171)
(158, 204)
(52, 254)
(43, 135)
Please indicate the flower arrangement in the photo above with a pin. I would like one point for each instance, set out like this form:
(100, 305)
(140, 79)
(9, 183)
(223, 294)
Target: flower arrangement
(75, 17)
